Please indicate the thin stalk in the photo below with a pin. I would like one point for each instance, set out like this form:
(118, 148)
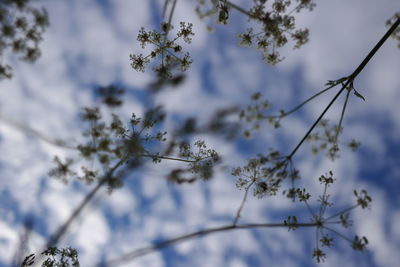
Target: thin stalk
(29, 130)
(147, 250)
(305, 102)
(342, 212)
(165, 8)
(342, 116)
(317, 238)
(339, 234)
(310, 210)
(323, 206)
(171, 14)
(240, 9)
(53, 240)
(294, 9)
(169, 158)
(239, 211)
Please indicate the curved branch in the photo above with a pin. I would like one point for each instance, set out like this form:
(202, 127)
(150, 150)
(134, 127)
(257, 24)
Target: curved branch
(153, 248)
(29, 130)
(53, 240)
(305, 102)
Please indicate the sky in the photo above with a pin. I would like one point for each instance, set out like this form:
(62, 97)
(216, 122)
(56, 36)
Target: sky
(88, 45)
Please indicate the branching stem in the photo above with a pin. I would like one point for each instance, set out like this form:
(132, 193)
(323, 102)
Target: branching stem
(347, 83)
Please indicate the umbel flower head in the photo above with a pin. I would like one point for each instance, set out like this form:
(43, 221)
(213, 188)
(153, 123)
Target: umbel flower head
(168, 51)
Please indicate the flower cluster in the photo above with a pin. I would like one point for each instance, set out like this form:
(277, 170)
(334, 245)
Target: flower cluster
(169, 50)
(275, 23)
(21, 30)
(291, 223)
(111, 95)
(55, 257)
(266, 173)
(201, 163)
(326, 139)
(109, 143)
(256, 112)
(323, 222)
(363, 199)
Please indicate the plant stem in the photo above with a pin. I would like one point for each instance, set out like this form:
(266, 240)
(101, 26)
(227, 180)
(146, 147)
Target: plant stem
(147, 250)
(169, 158)
(53, 240)
(305, 102)
(239, 211)
(342, 212)
(337, 233)
(341, 117)
(240, 9)
(29, 130)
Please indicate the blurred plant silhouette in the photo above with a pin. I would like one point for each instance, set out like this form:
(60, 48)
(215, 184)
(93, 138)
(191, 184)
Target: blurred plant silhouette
(22, 27)
(114, 146)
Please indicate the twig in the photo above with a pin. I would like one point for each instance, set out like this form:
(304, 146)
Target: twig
(342, 212)
(337, 233)
(305, 102)
(147, 250)
(239, 211)
(29, 130)
(171, 14)
(341, 117)
(169, 158)
(240, 9)
(53, 240)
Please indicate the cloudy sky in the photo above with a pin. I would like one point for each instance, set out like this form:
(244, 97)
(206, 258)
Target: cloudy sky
(88, 44)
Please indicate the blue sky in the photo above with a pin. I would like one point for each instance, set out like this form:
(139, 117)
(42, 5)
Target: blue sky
(88, 45)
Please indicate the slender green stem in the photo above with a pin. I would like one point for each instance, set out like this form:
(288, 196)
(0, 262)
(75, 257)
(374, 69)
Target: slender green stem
(240, 9)
(171, 14)
(323, 206)
(309, 209)
(317, 238)
(337, 233)
(147, 250)
(165, 7)
(166, 157)
(294, 9)
(239, 211)
(342, 116)
(342, 212)
(305, 102)
(31, 131)
(53, 240)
